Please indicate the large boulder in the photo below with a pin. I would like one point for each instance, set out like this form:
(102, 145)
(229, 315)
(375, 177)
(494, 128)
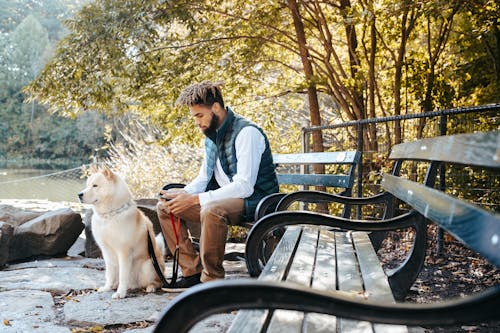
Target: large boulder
(50, 234)
(16, 216)
(6, 231)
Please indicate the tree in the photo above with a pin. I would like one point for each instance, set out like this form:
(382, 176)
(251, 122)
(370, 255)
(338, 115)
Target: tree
(135, 56)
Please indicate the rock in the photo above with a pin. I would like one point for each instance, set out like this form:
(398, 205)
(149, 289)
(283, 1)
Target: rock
(6, 231)
(78, 248)
(16, 216)
(92, 250)
(53, 279)
(50, 234)
(28, 311)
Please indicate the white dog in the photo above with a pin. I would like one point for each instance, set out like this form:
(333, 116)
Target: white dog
(120, 229)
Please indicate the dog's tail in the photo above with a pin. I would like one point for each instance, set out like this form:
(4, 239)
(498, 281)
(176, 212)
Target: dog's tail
(160, 242)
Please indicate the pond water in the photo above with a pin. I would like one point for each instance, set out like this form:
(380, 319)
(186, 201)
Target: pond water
(49, 185)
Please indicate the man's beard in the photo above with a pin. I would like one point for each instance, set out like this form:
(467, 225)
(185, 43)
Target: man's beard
(211, 130)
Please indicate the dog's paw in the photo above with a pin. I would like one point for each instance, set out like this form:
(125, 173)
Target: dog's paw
(104, 289)
(150, 289)
(119, 294)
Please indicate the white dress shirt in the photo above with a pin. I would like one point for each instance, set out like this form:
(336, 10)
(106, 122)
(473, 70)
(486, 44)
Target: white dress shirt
(250, 145)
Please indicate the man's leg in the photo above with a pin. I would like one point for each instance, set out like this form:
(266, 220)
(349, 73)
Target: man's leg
(189, 260)
(215, 218)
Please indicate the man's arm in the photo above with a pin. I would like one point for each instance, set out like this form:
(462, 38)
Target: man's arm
(199, 184)
(250, 145)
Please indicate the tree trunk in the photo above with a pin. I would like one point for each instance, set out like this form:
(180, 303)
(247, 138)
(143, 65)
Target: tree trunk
(312, 94)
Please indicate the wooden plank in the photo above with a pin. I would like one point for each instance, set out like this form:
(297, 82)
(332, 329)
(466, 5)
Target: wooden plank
(253, 320)
(473, 226)
(300, 273)
(343, 181)
(276, 266)
(342, 157)
(470, 149)
(324, 278)
(349, 280)
(374, 279)
(249, 321)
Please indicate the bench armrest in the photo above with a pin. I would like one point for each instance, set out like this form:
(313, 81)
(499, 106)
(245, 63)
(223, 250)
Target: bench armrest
(324, 197)
(267, 205)
(201, 301)
(320, 196)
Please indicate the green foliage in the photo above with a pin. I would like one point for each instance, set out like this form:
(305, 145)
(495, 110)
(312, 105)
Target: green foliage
(135, 56)
(29, 30)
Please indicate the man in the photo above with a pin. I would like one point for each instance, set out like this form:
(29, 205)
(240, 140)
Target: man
(236, 173)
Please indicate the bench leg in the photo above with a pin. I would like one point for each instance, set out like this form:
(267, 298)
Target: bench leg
(403, 277)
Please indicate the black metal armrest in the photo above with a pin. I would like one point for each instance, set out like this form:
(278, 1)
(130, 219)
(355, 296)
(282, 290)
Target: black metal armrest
(173, 185)
(201, 301)
(320, 197)
(267, 205)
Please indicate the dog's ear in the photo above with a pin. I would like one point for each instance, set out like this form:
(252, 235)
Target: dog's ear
(108, 174)
(93, 168)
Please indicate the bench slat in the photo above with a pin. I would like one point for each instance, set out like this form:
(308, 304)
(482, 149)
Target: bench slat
(478, 149)
(253, 320)
(473, 226)
(349, 280)
(342, 181)
(300, 273)
(343, 157)
(374, 279)
(324, 279)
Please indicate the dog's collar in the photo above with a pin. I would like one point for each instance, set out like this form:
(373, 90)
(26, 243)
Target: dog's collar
(118, 210)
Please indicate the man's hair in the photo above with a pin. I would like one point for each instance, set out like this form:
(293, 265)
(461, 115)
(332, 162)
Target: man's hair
(204, 93)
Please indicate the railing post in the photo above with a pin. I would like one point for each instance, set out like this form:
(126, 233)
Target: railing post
(360, 168)
(442, 184)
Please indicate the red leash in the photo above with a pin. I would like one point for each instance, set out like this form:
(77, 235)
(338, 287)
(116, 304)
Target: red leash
(175, 263)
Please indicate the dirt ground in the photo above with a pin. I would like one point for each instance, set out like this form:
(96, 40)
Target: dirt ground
(456, 272)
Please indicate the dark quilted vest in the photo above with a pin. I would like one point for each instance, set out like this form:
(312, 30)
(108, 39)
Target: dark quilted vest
(224, 148)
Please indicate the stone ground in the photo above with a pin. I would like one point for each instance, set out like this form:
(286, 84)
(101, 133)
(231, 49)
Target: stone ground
(59, 295)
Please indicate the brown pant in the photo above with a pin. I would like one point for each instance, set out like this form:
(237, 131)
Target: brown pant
(213, 219)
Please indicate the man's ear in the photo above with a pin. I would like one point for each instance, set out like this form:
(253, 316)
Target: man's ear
(218, 110)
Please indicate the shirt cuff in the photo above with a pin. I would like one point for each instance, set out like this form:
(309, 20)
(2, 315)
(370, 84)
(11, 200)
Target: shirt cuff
(204, 197)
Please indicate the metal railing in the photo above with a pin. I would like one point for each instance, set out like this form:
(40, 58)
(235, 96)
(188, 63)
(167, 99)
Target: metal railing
(372, 137)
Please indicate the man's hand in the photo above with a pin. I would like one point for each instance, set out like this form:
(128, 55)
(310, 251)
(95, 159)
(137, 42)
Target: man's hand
(180, 201)
(170, 193)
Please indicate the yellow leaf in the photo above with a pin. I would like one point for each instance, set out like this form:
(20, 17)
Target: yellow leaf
(6, 322)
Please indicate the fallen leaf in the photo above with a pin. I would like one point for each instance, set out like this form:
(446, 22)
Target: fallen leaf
(6, 322)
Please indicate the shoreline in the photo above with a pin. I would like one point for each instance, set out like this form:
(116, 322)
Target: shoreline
(42, 205)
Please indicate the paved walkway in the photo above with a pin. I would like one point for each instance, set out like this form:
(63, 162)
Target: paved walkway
(59, 295)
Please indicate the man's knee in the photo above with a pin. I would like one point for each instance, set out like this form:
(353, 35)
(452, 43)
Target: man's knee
(213, 212)
(162, 210)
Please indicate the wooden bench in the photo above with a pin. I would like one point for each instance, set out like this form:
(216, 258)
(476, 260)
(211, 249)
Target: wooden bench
(305, 178)
(320, 271)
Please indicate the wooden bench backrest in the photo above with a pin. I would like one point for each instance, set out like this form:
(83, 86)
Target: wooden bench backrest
(475, 227)
(351, 158)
